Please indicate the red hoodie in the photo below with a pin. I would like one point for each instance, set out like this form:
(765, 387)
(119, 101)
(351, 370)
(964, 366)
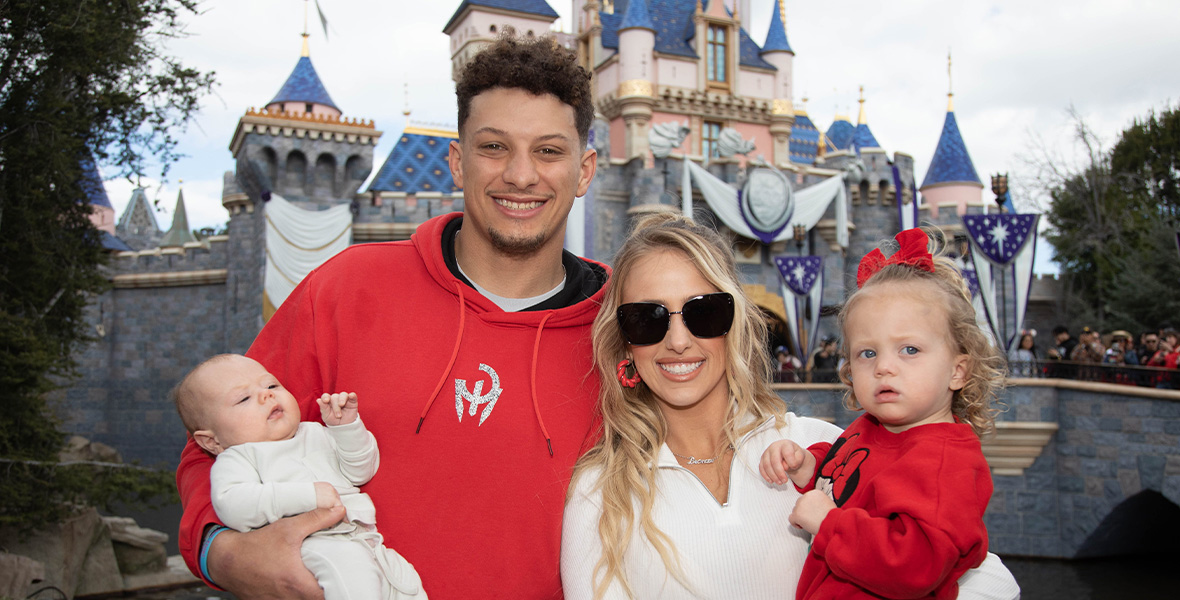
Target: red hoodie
(474, 499)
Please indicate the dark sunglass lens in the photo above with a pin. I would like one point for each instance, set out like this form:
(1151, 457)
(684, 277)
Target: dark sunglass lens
(710, 315)
(643, 323)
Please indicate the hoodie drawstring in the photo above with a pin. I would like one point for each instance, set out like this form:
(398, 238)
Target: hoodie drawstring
(533, 383)
(451, 363)
(455, 354)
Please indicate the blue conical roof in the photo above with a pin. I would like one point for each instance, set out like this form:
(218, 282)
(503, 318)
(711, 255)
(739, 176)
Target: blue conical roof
(304, 85)
(637, 16)
(91, 183)
(776, 38)
(951, 162)
(841, 132)
(863, 138)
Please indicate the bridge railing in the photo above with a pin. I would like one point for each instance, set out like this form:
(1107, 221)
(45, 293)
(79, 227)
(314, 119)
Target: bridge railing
(1154, 377)
(1100, 372)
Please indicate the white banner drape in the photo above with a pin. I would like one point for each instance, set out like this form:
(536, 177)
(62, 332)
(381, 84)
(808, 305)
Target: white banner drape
(810, 203)
(299, 240)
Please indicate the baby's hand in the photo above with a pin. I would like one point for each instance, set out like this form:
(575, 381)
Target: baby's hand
(783, 458)
(338, 409)
(810, 511)
(326, 495)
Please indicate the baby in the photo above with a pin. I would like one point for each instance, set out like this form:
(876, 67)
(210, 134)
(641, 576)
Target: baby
(900, 514)
(269, 465)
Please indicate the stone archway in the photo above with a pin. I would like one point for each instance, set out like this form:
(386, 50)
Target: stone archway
(1146, 523)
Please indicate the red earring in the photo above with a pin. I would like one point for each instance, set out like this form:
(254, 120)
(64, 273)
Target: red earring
(629, 382)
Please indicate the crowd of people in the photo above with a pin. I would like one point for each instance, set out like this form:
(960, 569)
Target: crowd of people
(1092, 355)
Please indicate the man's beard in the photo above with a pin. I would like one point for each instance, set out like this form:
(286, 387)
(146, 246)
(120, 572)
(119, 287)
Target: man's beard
(516, 246)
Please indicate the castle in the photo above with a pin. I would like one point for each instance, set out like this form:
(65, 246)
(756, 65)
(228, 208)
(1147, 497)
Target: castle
(658, 66)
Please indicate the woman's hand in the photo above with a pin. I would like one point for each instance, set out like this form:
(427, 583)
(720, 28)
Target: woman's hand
(783, 459)
(266, 563)
(810, 511)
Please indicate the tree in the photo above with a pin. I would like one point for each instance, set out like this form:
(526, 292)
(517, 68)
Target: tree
(77, 77)
(1113, 224)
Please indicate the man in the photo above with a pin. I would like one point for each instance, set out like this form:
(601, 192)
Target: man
(1064, 344)
(824, 365)
(1149, 343)
(484, 309)
(1089, 348)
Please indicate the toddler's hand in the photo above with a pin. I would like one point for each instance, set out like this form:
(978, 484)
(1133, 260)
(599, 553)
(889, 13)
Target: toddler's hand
(785, 458)
(810, 511)
(338, 409)
(326, 495)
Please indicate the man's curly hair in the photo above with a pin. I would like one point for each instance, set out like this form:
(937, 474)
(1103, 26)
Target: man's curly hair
(536, 65)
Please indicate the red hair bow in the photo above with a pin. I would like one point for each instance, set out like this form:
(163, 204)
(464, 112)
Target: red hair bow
(913, 252)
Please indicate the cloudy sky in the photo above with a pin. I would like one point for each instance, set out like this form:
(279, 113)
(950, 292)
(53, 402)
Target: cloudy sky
(1018, 65)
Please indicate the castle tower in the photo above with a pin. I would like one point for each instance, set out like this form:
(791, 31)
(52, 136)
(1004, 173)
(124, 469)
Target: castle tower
(863, 138)
(951, 179)
(777, 51)
(300, 146)
(637, 40)
(137, 225)
(102, 213)
(179, 234)
(478, 22)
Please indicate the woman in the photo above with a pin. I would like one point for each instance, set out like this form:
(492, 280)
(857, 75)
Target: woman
(1022, 359)
(669, 503)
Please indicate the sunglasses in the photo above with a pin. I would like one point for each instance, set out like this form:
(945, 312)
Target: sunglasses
(646, 323)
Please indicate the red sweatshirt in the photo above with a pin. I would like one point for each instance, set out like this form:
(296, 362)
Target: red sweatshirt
(909, 520)
(474, 500)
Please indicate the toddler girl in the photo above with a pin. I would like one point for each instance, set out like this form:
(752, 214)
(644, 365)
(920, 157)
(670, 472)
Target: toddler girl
(896, 504)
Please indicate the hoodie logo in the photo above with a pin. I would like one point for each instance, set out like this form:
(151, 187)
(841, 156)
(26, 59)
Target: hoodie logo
(476, 397)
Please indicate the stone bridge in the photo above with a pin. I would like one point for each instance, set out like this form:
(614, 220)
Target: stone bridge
(1081, 469)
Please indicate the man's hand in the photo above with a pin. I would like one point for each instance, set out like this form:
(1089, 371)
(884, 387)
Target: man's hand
(786, 458)
(326, 495)
(810, 511)
(266, 563)
(338, 409)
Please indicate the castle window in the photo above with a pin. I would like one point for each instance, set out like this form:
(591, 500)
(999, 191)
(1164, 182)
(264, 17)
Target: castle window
(307, 107)
(710, 133)
(715, 53)
(492, 29)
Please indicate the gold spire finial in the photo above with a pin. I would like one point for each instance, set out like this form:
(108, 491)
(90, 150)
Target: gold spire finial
(306, 51)
(406, 111)
(950, 89)
(860, 119)
(782, 13)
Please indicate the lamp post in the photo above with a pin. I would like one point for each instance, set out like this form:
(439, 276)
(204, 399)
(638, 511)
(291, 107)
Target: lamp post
(1000, 189)
(800, 234)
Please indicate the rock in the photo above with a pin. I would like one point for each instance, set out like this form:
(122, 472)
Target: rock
(63, 550)
(100, 570)
(138, 549)
(79, 448)
(18, 574)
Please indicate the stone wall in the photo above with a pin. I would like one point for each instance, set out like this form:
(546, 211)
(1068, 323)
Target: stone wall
(1113, 443)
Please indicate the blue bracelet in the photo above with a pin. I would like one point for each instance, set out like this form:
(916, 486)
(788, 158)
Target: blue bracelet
(205, 551)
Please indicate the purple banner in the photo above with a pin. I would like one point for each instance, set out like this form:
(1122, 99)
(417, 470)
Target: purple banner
(1000, 237)
(799, 272)
(972, 279)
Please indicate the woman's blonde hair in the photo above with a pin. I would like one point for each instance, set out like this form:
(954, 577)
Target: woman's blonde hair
(986, 367)
(633, 429)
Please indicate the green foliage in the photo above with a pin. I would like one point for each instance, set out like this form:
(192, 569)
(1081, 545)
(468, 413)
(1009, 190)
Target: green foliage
(66, 486)
(1114, 228)
(76, 77)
